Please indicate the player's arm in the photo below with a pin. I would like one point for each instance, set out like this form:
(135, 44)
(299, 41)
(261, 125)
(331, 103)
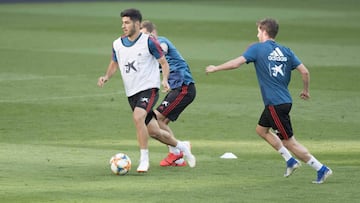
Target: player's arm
(113, 66)
(165, 72)
(305, 75)
(156, 51)
(232, 64)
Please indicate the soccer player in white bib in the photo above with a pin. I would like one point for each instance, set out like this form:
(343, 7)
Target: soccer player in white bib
(273, 64)
(138, 56)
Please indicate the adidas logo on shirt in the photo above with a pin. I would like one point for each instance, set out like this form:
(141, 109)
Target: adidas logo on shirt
(277, 55)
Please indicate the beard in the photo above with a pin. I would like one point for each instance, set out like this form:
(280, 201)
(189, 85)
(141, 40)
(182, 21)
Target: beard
(131, 32)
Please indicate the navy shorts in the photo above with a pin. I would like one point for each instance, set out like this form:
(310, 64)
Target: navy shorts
(146, 100)
(176, 101)
(277, 117)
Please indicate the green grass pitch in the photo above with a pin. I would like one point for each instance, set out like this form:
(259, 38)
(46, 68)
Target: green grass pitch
(58, 130)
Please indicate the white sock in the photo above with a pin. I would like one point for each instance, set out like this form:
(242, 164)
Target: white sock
(144, 154)
(313, 162)
(174, 150)
(182, 147)
(180, 161)
(285, 153)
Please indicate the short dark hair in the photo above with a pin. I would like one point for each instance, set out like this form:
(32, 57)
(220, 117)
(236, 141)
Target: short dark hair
(132, 13)
(271, 26)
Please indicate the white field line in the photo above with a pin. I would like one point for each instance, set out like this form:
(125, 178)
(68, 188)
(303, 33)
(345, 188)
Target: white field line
(57, 98)
(13, 77)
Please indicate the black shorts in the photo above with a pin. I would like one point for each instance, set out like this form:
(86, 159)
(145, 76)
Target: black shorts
(277, 117)
(146, 100)
(176, 101)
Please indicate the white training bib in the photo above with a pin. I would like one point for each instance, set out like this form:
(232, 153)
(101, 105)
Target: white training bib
(139, 68)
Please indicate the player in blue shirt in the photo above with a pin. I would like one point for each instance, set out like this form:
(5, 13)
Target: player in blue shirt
(273, 64)
(182, 91)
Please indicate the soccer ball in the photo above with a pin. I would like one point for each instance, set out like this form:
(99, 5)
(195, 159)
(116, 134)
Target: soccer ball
(120, 164)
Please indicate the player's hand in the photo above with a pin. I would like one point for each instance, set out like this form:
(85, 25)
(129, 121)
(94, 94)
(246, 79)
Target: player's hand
(165, 85)
(102, 80)
(210, 69)
(304, 95)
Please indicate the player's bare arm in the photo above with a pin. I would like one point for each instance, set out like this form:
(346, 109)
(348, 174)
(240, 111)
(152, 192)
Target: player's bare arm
(113, 66)
(306, 81)
(232, 64)
(165, 73)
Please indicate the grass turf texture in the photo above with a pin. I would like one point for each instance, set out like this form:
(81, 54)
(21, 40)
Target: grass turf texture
(58, 130)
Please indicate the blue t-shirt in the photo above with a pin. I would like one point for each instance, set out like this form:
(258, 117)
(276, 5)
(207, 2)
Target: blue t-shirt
(273, 64)
(179, 69)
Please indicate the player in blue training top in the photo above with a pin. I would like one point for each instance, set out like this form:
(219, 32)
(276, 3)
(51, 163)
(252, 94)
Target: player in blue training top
(182, 91)
(137, 56)
(273, 64)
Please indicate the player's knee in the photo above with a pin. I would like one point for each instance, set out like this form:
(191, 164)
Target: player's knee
(154, 129)
(159, 116)
(261, 131)
(139, 116)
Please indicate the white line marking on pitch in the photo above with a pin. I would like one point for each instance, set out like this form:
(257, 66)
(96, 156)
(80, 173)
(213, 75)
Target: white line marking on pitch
(57, 98)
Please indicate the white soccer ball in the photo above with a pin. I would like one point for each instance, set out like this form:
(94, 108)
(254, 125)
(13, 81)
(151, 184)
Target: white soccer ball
(120, 164)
